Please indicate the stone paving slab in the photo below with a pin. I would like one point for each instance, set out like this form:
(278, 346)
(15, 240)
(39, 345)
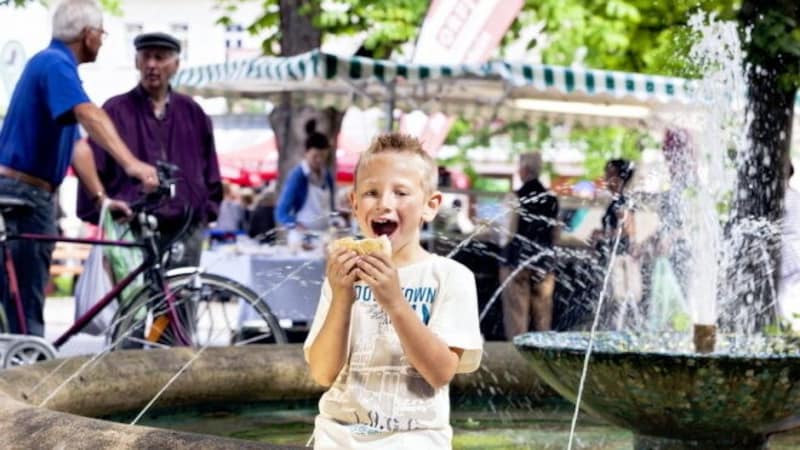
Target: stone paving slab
(59, 313)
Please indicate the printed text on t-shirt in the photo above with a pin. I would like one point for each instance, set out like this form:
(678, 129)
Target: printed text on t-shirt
(420, 298)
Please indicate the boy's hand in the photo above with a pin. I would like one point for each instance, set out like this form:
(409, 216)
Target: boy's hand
(341, 272)
(378, 271)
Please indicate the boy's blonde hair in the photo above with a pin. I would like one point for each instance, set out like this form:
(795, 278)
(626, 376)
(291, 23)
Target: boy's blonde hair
(402, 143)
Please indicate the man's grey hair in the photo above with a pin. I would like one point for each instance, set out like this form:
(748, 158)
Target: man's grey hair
(72, 16)
(532, 162)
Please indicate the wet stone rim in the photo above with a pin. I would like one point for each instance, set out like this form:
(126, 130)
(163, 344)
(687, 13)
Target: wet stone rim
(661, 344)
(738, 395)
(125, 381)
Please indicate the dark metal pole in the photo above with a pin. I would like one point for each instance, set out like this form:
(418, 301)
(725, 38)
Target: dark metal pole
(390, 103)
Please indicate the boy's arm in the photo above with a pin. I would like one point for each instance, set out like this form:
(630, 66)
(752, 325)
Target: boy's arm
(426, 351)
(328, 352)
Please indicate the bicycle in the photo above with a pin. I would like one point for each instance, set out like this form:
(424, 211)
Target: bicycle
(170, 307)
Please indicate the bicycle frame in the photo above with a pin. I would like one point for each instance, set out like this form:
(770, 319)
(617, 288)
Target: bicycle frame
(150, 266)
(147, 264)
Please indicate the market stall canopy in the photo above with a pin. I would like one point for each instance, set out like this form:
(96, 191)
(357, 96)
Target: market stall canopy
(493, 89)
(257, 163)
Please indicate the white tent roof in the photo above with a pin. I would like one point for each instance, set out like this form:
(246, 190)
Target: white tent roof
(506, 89)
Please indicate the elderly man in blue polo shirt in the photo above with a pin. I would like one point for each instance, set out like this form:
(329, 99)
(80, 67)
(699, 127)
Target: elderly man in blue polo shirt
(36, 147)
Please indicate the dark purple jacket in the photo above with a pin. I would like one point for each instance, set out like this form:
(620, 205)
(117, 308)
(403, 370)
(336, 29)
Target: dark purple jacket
(184, 137)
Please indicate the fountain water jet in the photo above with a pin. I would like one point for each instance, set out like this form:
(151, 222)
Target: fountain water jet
(727, 390)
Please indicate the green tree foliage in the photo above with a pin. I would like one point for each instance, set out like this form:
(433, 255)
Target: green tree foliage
(465, 136)
(598, 143)
(644, 36)
(774, 27)
(604, 143)
(386, 24)
(633, 35)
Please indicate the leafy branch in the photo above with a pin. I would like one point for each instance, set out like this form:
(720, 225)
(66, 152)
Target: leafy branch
(385, 25)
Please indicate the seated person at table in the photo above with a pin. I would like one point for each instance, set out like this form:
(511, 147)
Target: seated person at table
(231, 211)
(391, 332)
(262, 222)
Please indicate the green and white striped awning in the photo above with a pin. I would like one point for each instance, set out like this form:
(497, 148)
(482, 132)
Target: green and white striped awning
(466, 89)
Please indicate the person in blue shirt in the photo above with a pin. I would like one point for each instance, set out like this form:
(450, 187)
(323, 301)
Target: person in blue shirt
(307, 200)
(36, 148)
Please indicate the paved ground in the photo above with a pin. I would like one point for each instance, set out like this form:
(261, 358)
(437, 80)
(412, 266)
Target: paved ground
(215, 326)
(59, 312)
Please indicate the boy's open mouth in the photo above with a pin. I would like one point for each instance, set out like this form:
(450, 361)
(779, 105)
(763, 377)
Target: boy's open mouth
(383, 226)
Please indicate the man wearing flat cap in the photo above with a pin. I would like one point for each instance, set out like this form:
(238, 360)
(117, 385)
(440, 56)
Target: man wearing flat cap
(159, 124)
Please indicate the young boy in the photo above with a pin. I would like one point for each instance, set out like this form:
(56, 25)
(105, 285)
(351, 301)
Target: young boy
(390, 333)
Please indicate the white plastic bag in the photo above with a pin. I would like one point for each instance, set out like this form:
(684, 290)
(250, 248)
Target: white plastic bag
(93, 284)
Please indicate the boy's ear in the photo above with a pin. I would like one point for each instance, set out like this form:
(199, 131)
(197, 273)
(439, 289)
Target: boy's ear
(352, 197)
(432, 206)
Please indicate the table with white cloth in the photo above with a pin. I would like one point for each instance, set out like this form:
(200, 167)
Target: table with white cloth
(289, 283)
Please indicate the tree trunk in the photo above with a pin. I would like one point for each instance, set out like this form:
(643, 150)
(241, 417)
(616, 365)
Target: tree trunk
(298, 34)
(288, 120)
(758, 208)
(758, 203)
(761, 174)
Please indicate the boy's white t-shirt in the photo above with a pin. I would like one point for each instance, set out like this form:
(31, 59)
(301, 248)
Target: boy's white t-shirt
(379, 400)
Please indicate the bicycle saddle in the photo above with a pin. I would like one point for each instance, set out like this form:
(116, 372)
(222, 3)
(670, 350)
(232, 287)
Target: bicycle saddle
(8, 203)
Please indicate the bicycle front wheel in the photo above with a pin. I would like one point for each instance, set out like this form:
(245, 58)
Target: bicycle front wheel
(205, 310)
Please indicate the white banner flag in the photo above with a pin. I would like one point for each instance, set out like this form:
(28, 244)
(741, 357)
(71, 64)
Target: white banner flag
(464, 31)
(456, 32)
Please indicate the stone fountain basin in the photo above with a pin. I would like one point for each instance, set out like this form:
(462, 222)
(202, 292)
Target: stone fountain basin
(126, 381)
(658, 387)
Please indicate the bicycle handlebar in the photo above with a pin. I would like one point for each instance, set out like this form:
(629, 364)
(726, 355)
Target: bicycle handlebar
(164, 190)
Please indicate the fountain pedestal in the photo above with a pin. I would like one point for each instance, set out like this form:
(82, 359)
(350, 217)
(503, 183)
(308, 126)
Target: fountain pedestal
(670, 396)
(705, 338)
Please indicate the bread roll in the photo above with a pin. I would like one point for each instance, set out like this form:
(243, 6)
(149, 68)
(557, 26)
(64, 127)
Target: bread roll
(364, 246)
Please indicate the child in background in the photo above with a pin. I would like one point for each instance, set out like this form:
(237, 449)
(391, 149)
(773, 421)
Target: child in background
(389, 334)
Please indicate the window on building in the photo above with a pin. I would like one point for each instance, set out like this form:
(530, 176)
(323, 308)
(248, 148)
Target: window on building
(234, 36)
